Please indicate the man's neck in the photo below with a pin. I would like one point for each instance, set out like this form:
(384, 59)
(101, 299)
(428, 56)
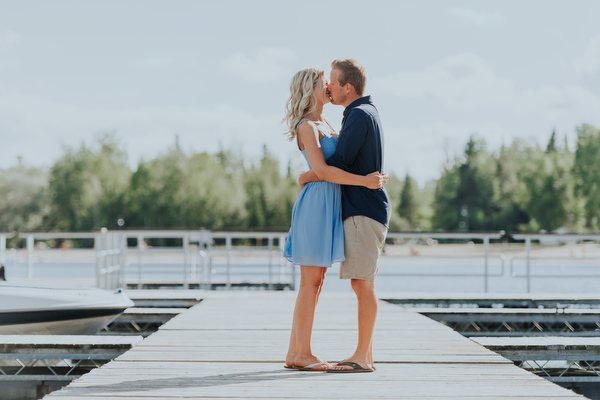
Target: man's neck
(351, 98)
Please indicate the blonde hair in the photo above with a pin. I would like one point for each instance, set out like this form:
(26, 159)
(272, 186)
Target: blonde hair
(302, 96)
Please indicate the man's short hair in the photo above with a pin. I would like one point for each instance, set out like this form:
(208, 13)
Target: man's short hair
(353, 73)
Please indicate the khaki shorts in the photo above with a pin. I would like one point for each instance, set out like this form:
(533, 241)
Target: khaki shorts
(363, 239)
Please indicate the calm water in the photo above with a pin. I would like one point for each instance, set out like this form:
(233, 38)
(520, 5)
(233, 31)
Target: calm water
(396, 275)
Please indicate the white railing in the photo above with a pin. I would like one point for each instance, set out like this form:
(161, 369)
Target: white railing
(191, 255)
(191, 260)
(558, 238)
(207, 259)
(108, 250)
(2, 248)
(413, 238)
(110, 258)
(276, 265)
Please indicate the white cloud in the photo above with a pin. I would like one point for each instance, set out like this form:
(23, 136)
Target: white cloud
(584, 101)
(546, 98)
(268, 65)
(37, 129)
(476, 17)
(461, 81)
(553, 102)
(153, 62)
(9, 37)
(589, 63)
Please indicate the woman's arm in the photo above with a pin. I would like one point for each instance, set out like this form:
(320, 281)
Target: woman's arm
(310, 176)
(308, 135)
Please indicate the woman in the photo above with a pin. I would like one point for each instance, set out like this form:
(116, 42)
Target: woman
(316, 237)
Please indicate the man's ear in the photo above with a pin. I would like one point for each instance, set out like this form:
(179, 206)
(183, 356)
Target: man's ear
(349, 88)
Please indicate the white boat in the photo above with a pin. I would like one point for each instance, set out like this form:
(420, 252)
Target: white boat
(48, 310)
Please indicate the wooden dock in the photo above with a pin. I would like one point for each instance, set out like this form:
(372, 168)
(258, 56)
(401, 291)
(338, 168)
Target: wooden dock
(233, 345)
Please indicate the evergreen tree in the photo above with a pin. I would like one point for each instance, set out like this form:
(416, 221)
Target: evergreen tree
(524, 187)
(409, 205)
(445, 205)
(551, 147)
(586, 173)
(508, 189)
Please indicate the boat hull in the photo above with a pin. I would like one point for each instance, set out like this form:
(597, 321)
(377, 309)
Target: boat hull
(38, 310)
(83, 326)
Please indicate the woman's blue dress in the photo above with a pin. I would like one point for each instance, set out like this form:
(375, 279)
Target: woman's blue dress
(316, 236)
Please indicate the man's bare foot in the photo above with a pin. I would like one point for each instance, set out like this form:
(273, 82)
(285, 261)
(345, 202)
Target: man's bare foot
(349, 367)
(346, 364)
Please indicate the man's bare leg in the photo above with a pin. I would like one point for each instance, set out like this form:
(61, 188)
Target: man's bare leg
(367, 315)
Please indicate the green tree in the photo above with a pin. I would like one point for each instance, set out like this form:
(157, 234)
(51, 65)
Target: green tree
(212, 198)
(550, 188)
(394, 185)
(445, 205)
(155, 192)
(409, 204)
(87, 187)
(586, 173)
(475, 192)
(23, 199)
(464, 196)
(551, 147)
(270, 196)
(508, 188)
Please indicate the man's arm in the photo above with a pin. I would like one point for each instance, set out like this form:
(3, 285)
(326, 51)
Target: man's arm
(349, 144)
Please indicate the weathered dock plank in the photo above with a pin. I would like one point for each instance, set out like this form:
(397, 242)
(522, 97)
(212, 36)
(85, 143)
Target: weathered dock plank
(233, 345)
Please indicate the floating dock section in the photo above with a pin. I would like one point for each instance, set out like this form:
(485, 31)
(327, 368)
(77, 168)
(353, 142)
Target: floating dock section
(233, 345)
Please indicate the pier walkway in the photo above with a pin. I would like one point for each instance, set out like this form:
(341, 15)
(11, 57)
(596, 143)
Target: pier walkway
(233, 345)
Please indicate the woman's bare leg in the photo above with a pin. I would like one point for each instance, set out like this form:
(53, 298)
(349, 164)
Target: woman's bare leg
(311, 283)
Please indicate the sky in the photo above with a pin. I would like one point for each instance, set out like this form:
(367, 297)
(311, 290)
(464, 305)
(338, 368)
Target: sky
(216, 74)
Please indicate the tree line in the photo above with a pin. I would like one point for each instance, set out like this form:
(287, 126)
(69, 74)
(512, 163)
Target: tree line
(523, 187)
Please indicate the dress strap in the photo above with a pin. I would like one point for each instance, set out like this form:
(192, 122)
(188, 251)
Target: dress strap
(301, 121)
(330, 127)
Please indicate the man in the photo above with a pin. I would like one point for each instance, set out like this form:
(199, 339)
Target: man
(365, 212)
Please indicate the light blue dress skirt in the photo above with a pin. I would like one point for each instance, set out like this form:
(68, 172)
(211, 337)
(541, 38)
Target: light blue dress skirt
(316, 237)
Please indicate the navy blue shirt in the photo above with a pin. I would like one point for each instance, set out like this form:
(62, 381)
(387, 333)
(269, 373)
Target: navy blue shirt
(360, 151)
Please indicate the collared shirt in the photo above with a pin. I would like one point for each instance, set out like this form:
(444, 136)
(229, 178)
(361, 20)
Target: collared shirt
(360, 151)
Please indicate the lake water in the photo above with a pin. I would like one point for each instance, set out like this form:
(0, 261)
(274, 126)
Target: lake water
(573, 269)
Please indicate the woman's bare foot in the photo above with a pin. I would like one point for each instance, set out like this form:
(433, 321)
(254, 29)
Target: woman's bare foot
(302, 362)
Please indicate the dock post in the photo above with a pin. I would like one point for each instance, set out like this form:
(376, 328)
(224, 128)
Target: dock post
(228, 250)
(140, 248)
(116, 263)
(30, 244)
(2, 249)
(486, 248)
(100, 243)
(186, 258)
(123, 259)
(270, 262)
(528, 251)
(282, 264)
